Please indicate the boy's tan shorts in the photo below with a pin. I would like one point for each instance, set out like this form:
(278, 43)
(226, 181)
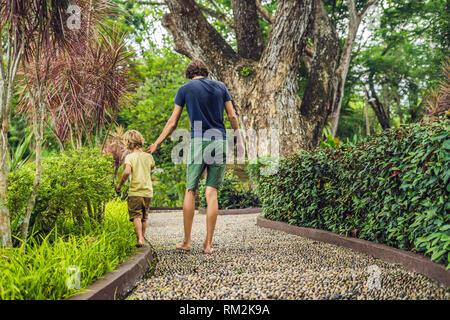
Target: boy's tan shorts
(138, 207)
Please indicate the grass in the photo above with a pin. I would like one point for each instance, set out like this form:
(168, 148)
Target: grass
(45, 268)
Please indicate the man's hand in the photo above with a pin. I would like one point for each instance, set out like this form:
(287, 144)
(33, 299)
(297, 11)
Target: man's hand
(152, 148)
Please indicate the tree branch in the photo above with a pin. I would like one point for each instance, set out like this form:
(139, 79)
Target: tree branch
(288, 35)
(248, 33)
(367, 6)
(219, 15)
(264, 14)
(195, 38)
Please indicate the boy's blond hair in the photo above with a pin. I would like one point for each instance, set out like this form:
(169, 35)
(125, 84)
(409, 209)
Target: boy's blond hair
(133, 139)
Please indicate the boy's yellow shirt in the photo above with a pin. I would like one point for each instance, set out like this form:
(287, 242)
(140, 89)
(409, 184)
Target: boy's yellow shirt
(140, 178)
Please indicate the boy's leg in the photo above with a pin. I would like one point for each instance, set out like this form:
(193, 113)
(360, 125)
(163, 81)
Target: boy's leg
(138, 229)
(147, 202)
(135, 210)
(188, 217)
(211, 217)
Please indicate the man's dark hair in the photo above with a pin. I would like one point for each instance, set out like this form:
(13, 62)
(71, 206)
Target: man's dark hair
(196, 68)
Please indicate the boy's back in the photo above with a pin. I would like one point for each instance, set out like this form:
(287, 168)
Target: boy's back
(140, 178)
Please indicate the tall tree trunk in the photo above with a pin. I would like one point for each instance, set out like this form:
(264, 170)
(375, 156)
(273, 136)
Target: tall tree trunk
(355, 19)
(266, 96)
(248, 33)
(321, 85)
(5, 226)
(399, 106)
(38, 126)
(366, 114)
(380, 111)
(9, 62)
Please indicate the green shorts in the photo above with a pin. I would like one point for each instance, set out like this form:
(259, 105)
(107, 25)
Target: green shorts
(206, 154)
(138, 207)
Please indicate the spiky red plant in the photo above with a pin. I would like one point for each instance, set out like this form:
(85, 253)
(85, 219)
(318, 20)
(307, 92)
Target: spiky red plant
(87, 79)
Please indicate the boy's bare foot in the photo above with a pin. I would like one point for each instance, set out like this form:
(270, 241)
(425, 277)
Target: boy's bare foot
(140, 243)
(183, 246)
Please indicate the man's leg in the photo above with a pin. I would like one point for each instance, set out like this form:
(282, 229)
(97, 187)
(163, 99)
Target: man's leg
(188, 217)
(211, 217)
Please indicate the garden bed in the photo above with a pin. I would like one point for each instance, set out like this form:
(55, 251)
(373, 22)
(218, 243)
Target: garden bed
(411, 261)
(392, 189)
(58, 266)
(119, 282)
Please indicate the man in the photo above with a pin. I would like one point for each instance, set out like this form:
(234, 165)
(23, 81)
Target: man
(205, 100)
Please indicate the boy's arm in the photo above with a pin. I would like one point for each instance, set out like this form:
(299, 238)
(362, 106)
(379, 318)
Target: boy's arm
(126, 173)
(168, 129)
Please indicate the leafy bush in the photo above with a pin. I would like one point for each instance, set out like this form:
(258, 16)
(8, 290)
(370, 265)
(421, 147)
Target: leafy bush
(169, 185)
(233, 194)
(75, 183)
(40, 270)
(393, 189)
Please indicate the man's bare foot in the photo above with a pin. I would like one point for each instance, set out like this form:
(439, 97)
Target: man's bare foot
(207, 248)
(183, 246)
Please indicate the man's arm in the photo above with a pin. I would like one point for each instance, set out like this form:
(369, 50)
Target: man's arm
(235, 125)
(168, 129)
(126, 173)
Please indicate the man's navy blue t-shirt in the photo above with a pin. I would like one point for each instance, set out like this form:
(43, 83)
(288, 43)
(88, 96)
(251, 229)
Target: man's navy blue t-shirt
(204, 99)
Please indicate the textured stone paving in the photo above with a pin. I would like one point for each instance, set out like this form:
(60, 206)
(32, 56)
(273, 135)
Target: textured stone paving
(250, 262)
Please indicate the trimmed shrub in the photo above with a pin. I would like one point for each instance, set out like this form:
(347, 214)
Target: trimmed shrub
(233, 194)
(393, 189)
(74, 184)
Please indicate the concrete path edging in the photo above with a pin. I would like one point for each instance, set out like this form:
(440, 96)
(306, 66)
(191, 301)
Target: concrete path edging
(117, 283)
(233, 211)
(411, 261)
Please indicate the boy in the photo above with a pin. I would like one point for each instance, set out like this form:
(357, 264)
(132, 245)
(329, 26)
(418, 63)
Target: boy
(138, 166)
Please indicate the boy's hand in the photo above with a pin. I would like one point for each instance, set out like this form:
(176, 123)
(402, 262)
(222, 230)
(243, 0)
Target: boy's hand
(152, 148)
(118, 188)
(240, 150)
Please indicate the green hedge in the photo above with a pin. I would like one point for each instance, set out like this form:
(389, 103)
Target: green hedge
(74, 184)
(233, 194)
(393, 189)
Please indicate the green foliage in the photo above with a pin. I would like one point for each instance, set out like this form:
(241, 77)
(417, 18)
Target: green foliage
(169, 186)
(233, 194)
(328, 141)
(393, 189)
(162, 73)
(19, 155)
(71, 182)
(245, 72)
(39, 269)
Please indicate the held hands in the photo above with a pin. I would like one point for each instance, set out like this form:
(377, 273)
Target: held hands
(152, 148)
(240, 149)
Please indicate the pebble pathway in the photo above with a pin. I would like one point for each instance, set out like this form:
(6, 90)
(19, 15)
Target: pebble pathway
(250, 262)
